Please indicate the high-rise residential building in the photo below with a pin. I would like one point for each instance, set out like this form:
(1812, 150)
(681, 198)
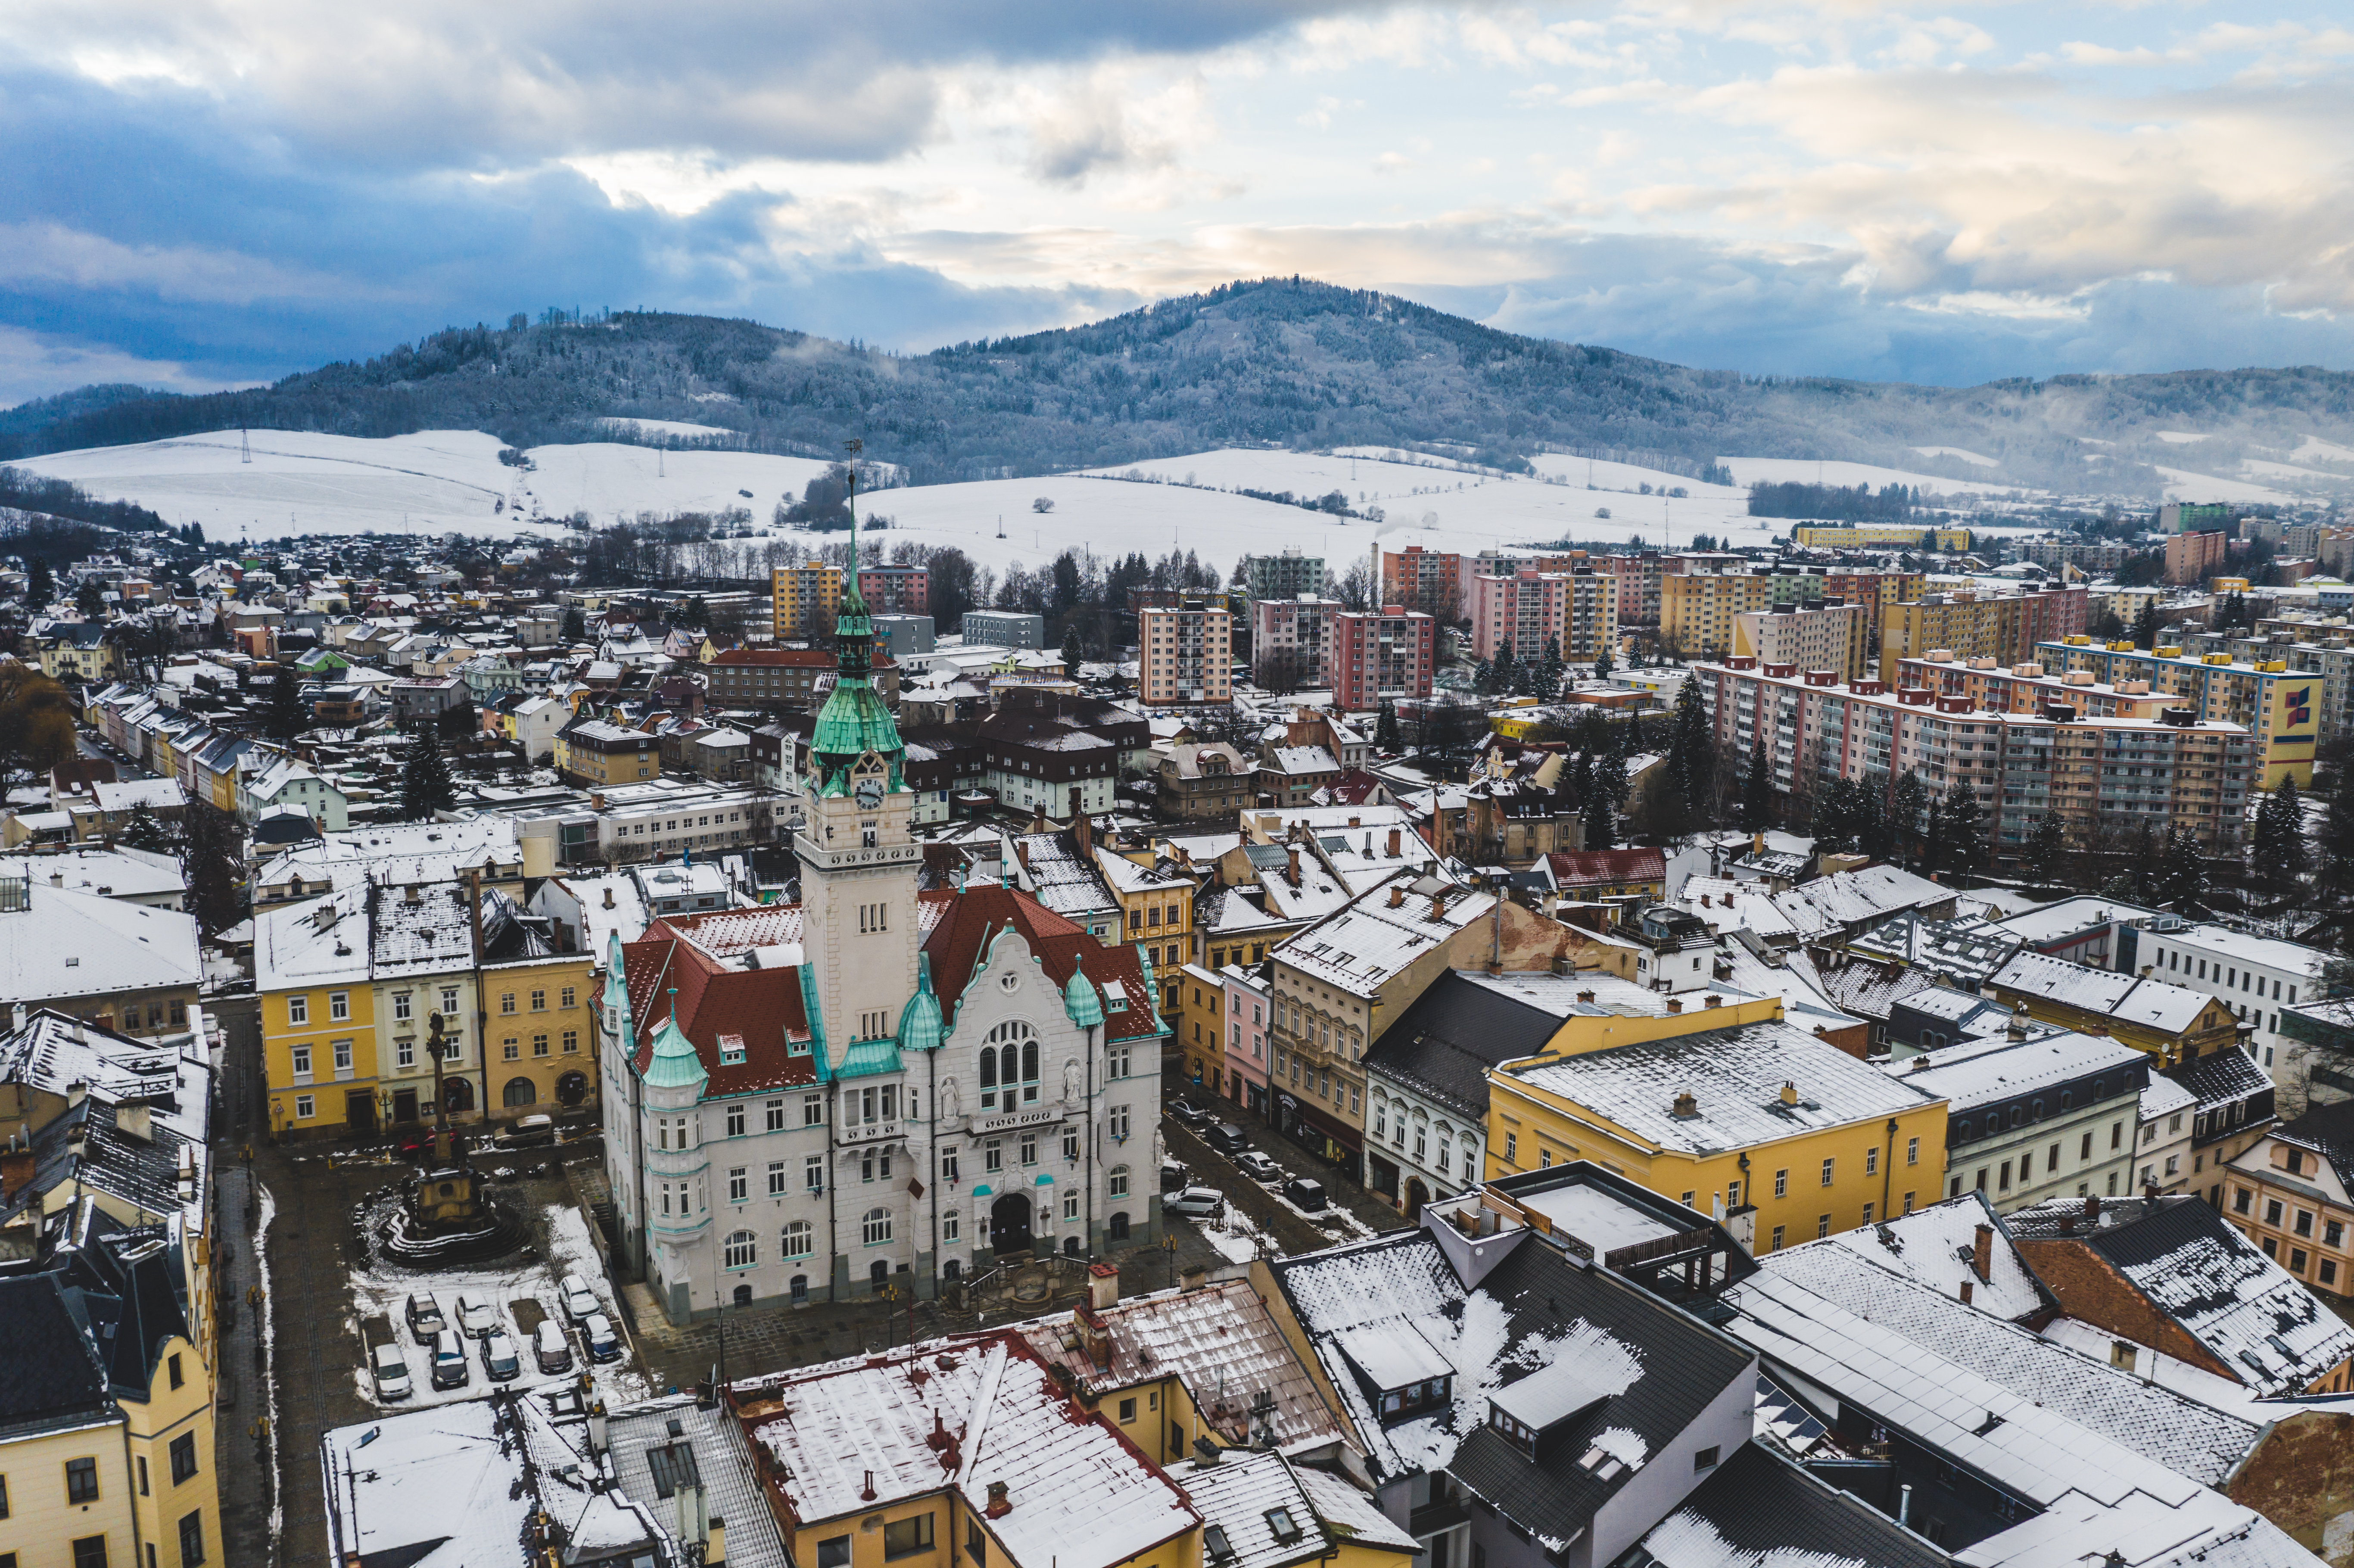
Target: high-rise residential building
(1572, 614)
(2278, 704)
(1843, 536)
(1834, 637)
(1591, 615)
(804, 598)
(2179, 517)
(1697, 608)
(1432, 581)
(2002, 627)
(1286, 575)
(2100, 776)
(1291, 641)
(1872, 588)
(1380, 656)
(897, 590)
(1004, 628)
(1638, 587)
(1185, 653)
(2193, 558)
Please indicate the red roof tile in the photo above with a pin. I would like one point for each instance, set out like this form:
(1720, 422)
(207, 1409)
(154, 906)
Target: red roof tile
(1586, 868)
(983, 910)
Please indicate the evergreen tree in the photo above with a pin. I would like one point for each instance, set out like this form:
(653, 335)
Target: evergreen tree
(1961, 834)
(2046, 849)
(576, 625)
(1908, 811)
(1692, 752)
(2182, 875)
(2336, 860)
(1757, 788)
(145, 831)
(40, 585)
(426, 786)
(1385, 729)
(1602, 664)
(211, 866)
(88, 600)
(1601, 820)
(1501, 674)
(2145, 626)
(1834, 818)
(286, 718)
(2282, 856)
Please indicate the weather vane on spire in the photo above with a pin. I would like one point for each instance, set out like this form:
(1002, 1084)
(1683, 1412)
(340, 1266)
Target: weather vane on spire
(853, 447)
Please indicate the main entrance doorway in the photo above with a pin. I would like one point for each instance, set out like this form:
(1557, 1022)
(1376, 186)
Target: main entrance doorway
(1008, 1224)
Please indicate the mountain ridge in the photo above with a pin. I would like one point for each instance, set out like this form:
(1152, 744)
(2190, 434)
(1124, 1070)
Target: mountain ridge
(1284, 362)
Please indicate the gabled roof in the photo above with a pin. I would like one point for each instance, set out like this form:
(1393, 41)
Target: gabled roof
(960, 943)
(49, 1371)
(69, 944)
(2152, 1004)
(2327, 1130)
(1587, 868)
(1759, 1510)
(1442, 1046)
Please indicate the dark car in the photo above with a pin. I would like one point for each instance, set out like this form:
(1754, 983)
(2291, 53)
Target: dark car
(1189, 1113)
(1306, 1192)
(1225, 1137)
(425, 1320)
(1174, 1175)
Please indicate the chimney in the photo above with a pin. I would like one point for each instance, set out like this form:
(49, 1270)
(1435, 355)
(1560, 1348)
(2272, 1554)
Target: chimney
(133, 1118)
(1291, 865)
(1982, 1252)
(1675, 1005)
(866, 1493)
(1967, 1289)
(412, 894)
(1789, 1093)
(1397, 895)
(1395, 850)
(1585, 996)
(1439, 904)
(596, 799)
(1713, 999)
(999, 1507)
(1038, 818)
(1021, 852)
(1082, 830)
(1686, 1105)
(1103, 1286)
(609, 895)
(2093, 1207)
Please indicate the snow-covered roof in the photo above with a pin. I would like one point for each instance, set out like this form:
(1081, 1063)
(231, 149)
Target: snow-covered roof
(2171, 1009)
(1934, 1246)
(67, 944)
(1365, 944)
(117, 873)
(1239, 1497)
(1735, 1077)
(1970, 1073)
(1076, 1489)
(396, 853)
(1294, 760)
(2246, 947)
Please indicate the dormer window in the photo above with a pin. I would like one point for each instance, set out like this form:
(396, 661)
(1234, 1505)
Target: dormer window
(731, 1050)
(1286, 1528)
(1214, 1542)
(1415, 1398)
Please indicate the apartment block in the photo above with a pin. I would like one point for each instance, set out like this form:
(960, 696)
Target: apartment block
(1575, 613)
(1697, 609)
(1185, 653)
(895, 590)
(1834, 637)
(1833, 537)
(1291, 641)
(1638, 587)
(1381, 656)
(1872, 589)
(1286, 575)
(2094, 558)
(2178, 517)
(2192, 557)
(2279, 707)
(1004, 628)
(2098, 776)
(2333, 659)
(804, 599)
(1432, 581)
(2003, 627)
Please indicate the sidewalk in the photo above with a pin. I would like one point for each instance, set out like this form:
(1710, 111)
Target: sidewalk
(240, 1452)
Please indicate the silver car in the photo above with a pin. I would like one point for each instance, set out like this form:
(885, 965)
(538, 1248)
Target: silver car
(1195, 1202)
(476, 1316)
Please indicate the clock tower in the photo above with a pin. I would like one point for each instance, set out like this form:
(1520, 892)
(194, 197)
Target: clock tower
(858, 856)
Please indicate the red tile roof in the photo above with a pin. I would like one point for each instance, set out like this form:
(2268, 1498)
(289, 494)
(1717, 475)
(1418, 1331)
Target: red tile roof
(983, 910)
(1589, 868)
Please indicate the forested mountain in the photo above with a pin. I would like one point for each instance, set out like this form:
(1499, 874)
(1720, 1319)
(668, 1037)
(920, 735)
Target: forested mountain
(1280, 361)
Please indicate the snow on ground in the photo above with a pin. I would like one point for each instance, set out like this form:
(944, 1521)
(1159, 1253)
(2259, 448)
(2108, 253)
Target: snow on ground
(2181, 484)
(1235, 1239)
(2264, 470)
(2182, 438)
(2313, 449)
(1811, 470)
(1962, 452)
(384, 1290)
(664, 426)
(268, 1353)
(430, 482)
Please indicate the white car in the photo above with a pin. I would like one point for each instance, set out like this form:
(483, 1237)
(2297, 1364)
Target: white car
(476, 1316)
(1195, 1202)
(580, 1301)
(390, 1371)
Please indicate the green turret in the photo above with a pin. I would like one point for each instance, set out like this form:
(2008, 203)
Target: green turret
(853, 720)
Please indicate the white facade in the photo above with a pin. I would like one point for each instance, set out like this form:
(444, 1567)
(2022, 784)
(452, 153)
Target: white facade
(2257, 976)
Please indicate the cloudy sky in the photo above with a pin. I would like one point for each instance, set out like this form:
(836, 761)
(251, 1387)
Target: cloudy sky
(208, 192)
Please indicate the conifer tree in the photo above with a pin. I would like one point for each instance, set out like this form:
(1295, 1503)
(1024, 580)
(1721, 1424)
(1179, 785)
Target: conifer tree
(2281, 855)
(1757, 788)
(426, 786)
(286, 718)
(1961, 834)
(1385, 729)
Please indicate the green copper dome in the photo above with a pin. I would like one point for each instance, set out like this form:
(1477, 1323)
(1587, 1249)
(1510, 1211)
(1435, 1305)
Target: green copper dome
(920, 1028)
(1080, 1000)
(853, 720)
(674, 1066)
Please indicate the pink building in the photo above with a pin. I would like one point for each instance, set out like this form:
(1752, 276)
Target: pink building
(1185, 652)
(1385, 655)
(897, 590)
(1291, 643)
(1244, 1048)
(1575, 614)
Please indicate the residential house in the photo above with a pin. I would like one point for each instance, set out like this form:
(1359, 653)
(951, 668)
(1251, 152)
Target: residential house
(121, 966)
(2174, 1024)
(2035, 1113)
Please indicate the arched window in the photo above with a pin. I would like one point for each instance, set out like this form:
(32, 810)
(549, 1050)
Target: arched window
(801, 1290)
(1009, 1058)
(1117, 1226)
(518, 1092)
(1030, 1066)
(1470, 1158)
(876, 1226)
(1009, 1070)
(801, 1239)
(1120, 1182)
(741, 1250)
(743, 1296)
(989, 1079)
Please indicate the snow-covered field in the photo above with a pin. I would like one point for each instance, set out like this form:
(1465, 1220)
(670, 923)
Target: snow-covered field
(2181, 484)
(1810, 471)
(1979, 459)
(385, 1291)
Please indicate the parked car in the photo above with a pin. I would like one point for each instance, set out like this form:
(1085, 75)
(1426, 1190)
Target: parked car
(1225, 1137)
(1192, 1115)
(604, 1344)
(1306, 1192)
(580, 1301)
(1174, 1175)
(1257, 1166)
(450, 1361)
(550, 1348)
(528, 1132)
(1195, 1202)
(391, 1372)
(476, 1316)
(499, 1358)
(425, 1320)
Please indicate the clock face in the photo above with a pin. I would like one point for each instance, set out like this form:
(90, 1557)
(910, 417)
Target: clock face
(869, 793)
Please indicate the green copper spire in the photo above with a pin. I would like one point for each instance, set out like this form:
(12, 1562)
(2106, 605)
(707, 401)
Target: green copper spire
(854, 721)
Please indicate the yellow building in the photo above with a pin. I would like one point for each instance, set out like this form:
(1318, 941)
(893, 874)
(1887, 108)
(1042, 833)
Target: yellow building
(351, 986)
(1973, 626)
(1762, 1121)
(2174, 1024)
(1697, 609)
(1831, 536)
(804, 599)
(78, 654)
(2280, 705)
(108, 1455)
